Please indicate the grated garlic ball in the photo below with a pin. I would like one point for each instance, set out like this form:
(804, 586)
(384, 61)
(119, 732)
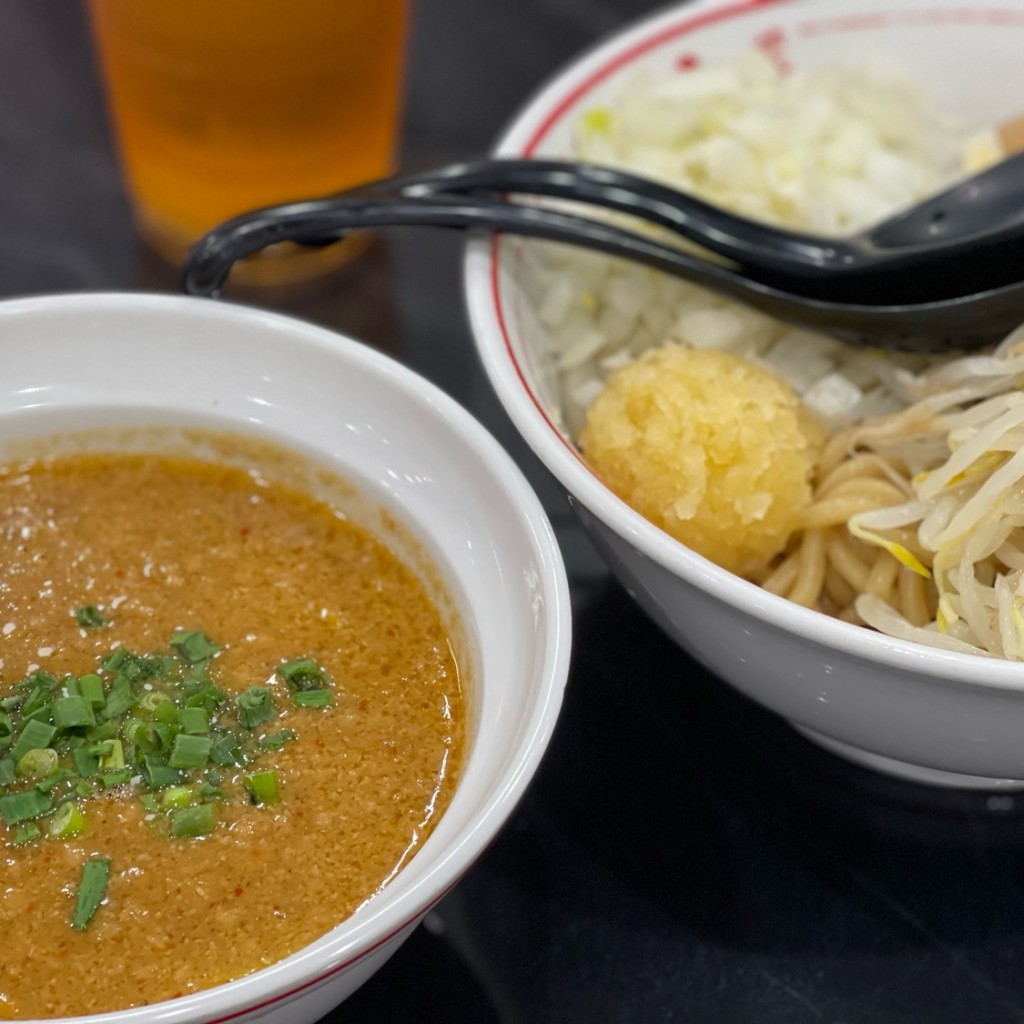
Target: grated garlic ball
(714, 449)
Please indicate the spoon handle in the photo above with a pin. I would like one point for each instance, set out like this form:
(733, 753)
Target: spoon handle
(754, 246)
(966, 239)
(324, 221)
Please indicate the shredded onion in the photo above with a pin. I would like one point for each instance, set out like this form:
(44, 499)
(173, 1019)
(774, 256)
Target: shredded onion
(827, 151)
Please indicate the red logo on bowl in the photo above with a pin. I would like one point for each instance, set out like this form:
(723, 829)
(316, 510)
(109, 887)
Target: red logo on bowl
(772, 43)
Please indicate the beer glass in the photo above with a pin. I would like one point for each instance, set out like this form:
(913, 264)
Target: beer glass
(221, 106)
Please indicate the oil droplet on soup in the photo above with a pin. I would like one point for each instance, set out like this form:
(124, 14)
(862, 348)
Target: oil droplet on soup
(144, 546)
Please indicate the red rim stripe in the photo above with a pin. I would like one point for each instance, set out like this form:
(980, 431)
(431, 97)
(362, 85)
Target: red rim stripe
(270, 1001)
(665, 35)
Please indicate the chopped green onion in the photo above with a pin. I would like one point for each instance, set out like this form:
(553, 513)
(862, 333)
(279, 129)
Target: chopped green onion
(41, 686)
(139, 667)
(111, 755)
(91, 891)
(112, 662)
(165, 712)
(194, 720)
(190, 751)
(25, 834)
(311, 698)
(35, 735)
(133, 732)
(227, 751)
(255, 706)
(158, 774)
(303, 674)
(120, 699)
(180, 734)
(103, 731)
(38, 763)
(163, 734)
(89, 617)
(194, 647)
(151, 700)
(91, 688)
(118, 778)
(208, 697)
(263, 787)
(66, 823)
(276, 740)
(192, 822)
(42, 714)
(178, 796)
(72, 712)
(21, 806)
(51, 782)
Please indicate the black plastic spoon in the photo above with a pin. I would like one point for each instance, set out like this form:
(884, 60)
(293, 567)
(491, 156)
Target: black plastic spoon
(966, 239)
(945, 308)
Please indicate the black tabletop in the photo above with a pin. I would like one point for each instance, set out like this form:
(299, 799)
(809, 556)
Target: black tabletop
(682, 855)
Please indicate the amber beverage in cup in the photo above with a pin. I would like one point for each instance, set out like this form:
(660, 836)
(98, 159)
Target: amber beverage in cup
(221, 106)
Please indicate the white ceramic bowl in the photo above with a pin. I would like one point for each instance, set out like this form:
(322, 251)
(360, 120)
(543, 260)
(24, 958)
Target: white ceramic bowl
(917, 712)
(88, 361)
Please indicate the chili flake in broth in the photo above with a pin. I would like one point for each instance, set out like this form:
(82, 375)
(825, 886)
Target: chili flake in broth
(117, 550)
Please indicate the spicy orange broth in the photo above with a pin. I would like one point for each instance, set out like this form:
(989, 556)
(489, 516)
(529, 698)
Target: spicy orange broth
(166, 542)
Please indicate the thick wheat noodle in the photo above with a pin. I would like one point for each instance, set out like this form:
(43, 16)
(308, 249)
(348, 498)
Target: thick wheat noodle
(839, 449)
(807, 588)
(906, 423)
(844, 559)
(883, 575)
(913, 600)
(825, 563)
(866, 488)
(838, 590)
(850, 615)
(838, 511)
(831, 551)
(783, 576)
(862, 482)
(866, 465)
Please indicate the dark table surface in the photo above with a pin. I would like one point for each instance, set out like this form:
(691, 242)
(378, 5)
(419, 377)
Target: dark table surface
(681, 855)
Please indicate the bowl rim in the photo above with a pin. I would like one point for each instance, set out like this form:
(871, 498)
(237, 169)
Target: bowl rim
(345, 944)
(522, 136)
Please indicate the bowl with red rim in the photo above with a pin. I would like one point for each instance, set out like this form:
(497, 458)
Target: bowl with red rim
(418, 462)
(919, 713)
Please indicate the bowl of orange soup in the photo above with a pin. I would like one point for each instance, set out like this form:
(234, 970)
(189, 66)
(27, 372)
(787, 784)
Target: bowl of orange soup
(283, 637)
